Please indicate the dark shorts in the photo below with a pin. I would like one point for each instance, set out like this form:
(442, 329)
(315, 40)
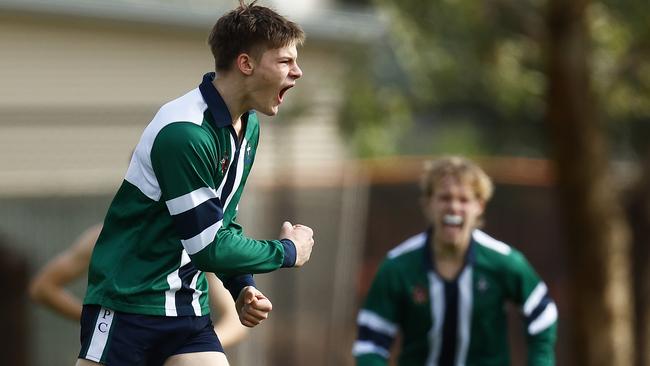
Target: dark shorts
(115, 338)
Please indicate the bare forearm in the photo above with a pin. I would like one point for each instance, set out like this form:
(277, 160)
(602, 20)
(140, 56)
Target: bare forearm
(60, 301)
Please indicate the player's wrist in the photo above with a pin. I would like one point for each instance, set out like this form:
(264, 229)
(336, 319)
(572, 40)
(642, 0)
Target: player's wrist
(290, 253)
(236, 284)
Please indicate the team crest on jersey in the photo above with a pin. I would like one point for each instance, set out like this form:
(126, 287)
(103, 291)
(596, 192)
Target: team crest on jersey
(223, 164)
(419, 295)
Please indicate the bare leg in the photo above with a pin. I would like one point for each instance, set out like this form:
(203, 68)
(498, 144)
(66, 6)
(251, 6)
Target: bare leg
(198, 359)
(82, 362)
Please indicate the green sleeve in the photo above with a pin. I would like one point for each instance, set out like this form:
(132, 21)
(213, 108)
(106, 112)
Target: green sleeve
(371, 359)
(384, 293)
(378, 319)
(183, 158)
(538, 310)
(541, 347)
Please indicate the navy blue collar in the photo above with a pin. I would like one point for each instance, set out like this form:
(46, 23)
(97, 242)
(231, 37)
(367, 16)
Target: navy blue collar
(215, 102)
(430, 264)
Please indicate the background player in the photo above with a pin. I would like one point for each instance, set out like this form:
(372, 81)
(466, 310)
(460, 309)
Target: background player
(445, 289)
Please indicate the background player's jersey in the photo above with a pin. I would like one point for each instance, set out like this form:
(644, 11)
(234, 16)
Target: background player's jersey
(459, 322)
(174, 214)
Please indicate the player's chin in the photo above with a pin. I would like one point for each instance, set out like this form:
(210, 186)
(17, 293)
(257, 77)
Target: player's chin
(270, 110)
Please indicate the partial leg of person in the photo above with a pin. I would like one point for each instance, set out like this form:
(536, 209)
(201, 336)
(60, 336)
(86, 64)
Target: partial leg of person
(198, 359)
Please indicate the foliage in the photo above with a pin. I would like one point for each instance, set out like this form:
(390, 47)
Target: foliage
(374, 116)
(473, 77)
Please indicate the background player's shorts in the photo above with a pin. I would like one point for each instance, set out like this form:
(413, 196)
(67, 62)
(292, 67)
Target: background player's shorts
(122, 339)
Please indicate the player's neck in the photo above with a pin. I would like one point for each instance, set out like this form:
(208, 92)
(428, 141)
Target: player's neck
(449, 259)
(449, 251)
(233, 95)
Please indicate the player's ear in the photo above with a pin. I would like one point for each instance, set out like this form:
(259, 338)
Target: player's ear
(245, 63)
(482, 205)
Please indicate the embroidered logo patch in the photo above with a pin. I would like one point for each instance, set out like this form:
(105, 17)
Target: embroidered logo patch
(420, 295)
(223, 164)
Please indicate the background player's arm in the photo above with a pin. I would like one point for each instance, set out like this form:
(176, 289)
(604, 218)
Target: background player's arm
(47, 287)
(538, 310)
(377, 320)
(228, 327)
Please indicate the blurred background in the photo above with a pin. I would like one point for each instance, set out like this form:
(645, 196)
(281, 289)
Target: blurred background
(551, 97)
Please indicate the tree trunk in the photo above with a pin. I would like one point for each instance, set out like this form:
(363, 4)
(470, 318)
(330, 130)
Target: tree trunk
(638, 209)
(598, 236)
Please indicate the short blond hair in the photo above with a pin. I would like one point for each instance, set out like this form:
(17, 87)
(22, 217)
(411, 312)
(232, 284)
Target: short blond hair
(461, 168)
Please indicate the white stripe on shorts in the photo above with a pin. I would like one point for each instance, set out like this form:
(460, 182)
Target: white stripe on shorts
(100, 334)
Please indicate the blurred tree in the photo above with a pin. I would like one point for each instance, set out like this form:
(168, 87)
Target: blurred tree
(376, 114)
(598, 236)
(638, 209)
(472, 77)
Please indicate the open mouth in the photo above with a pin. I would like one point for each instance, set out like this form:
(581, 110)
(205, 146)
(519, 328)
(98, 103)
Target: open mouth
(452, 220)
(283, 91)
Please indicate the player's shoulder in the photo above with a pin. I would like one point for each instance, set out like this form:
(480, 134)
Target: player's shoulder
(494, 251)
(411, 247)
(488, 244)
(182, 115)
(189, 107)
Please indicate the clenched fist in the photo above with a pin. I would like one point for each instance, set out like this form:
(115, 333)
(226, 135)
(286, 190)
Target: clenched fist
(302, 237)
(252, 306)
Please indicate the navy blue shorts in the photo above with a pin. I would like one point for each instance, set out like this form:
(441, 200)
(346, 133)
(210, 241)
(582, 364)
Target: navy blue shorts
(115, 338)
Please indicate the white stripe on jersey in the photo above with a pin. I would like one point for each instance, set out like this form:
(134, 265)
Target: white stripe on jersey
(465, 303)
(197, 293)
(364, 347)
(544, 320)
(100, 334)
(410, 244)
(174, 281)
(490, 242)
(188, 108)
(239, 174)
(534, 298)
(376, 322)
(190, 200)
(437, 299)
(195, 244)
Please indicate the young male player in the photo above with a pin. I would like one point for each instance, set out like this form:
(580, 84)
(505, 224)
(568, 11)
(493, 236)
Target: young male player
(444, 290)
(174, 215)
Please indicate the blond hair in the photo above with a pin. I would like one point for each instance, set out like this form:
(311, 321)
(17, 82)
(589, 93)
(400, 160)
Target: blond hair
(462, 169)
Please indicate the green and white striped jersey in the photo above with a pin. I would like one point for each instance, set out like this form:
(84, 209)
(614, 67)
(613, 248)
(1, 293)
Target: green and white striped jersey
(174, 215)
(454, 323)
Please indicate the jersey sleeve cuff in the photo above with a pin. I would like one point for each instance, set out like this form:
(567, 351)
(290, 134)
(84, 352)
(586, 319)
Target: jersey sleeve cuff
(289, 253)
(235, 284)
